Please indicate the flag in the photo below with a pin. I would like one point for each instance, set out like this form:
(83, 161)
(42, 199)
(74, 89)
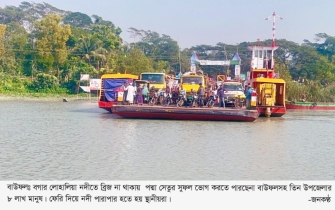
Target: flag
(194, 58)
(84, 77)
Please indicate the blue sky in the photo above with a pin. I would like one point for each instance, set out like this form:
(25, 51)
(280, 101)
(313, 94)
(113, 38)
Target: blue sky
(193, 22)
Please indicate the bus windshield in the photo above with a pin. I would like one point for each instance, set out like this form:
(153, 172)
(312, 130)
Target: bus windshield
(233, 87)
(191, 80)
(153, 78)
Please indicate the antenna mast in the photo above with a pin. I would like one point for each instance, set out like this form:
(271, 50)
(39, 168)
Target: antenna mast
(274, 27)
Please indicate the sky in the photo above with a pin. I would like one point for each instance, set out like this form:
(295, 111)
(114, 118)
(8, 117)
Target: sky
(195, 22)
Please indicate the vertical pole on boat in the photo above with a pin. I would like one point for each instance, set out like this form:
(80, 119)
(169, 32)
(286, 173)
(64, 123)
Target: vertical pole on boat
(273, 35)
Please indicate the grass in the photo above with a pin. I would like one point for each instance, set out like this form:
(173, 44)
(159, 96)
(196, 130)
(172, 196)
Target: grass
(314, 92)
(46, 96)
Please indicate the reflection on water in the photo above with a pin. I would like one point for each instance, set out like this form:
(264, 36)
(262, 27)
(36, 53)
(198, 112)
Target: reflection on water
(50, 140)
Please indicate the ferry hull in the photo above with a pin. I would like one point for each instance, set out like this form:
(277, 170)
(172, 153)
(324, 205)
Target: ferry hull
(106, 105)
(176, 113)
(310, 106)
(275, 111)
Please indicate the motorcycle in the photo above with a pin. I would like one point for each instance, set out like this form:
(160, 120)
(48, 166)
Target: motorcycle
(161, 97)
(175, 96)
(152, 99)
(181, 98)
(192, 99)
(167, 99)
(211, 101)
(146, 99)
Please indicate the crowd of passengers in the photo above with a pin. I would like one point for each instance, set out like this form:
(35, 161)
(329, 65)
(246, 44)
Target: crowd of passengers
(141, 94)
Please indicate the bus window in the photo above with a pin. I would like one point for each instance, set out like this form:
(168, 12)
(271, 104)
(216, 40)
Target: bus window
(191, 80)
(153, 78)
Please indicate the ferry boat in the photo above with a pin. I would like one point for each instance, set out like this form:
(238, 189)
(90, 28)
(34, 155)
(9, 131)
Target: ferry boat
(270, 90)
(111, 92)
(310, 105)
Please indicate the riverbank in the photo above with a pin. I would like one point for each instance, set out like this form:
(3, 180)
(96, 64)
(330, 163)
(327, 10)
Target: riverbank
(45, 97)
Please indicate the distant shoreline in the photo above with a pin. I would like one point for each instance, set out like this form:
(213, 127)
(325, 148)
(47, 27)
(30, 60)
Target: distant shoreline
(4, 97)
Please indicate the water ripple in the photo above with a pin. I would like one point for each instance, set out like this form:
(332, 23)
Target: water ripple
(48, 140)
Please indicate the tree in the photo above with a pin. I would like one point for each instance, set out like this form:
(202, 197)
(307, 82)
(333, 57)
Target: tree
(158, 48)
(327, 48)
(134, 63)
(2, 45)
(78, 19)
(325, 71)
(43, 82)
(51, 41)
(16, 39)
(11, 14)
(304, 63)
(109, 44)
(284, 73)
(135, 33)
(110, 40)
(99, 21)
(86, 44)
(286, 52)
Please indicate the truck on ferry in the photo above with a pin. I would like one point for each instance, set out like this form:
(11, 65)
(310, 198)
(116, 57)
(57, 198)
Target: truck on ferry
(233, 90)
(155, 79)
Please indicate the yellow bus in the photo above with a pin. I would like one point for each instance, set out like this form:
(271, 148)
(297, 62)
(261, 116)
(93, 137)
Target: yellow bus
(191, 81)
(155, 79)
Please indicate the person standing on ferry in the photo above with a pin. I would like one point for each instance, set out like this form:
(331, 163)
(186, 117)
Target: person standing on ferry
(125, 91)
(139, 90)
(248, 96)
(220, 93)
(201, 94)
(131, 93)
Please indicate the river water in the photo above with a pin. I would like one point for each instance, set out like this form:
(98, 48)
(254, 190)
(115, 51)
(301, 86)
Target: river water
(53, 140)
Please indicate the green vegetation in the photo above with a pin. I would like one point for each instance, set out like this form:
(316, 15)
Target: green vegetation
(45, 56)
